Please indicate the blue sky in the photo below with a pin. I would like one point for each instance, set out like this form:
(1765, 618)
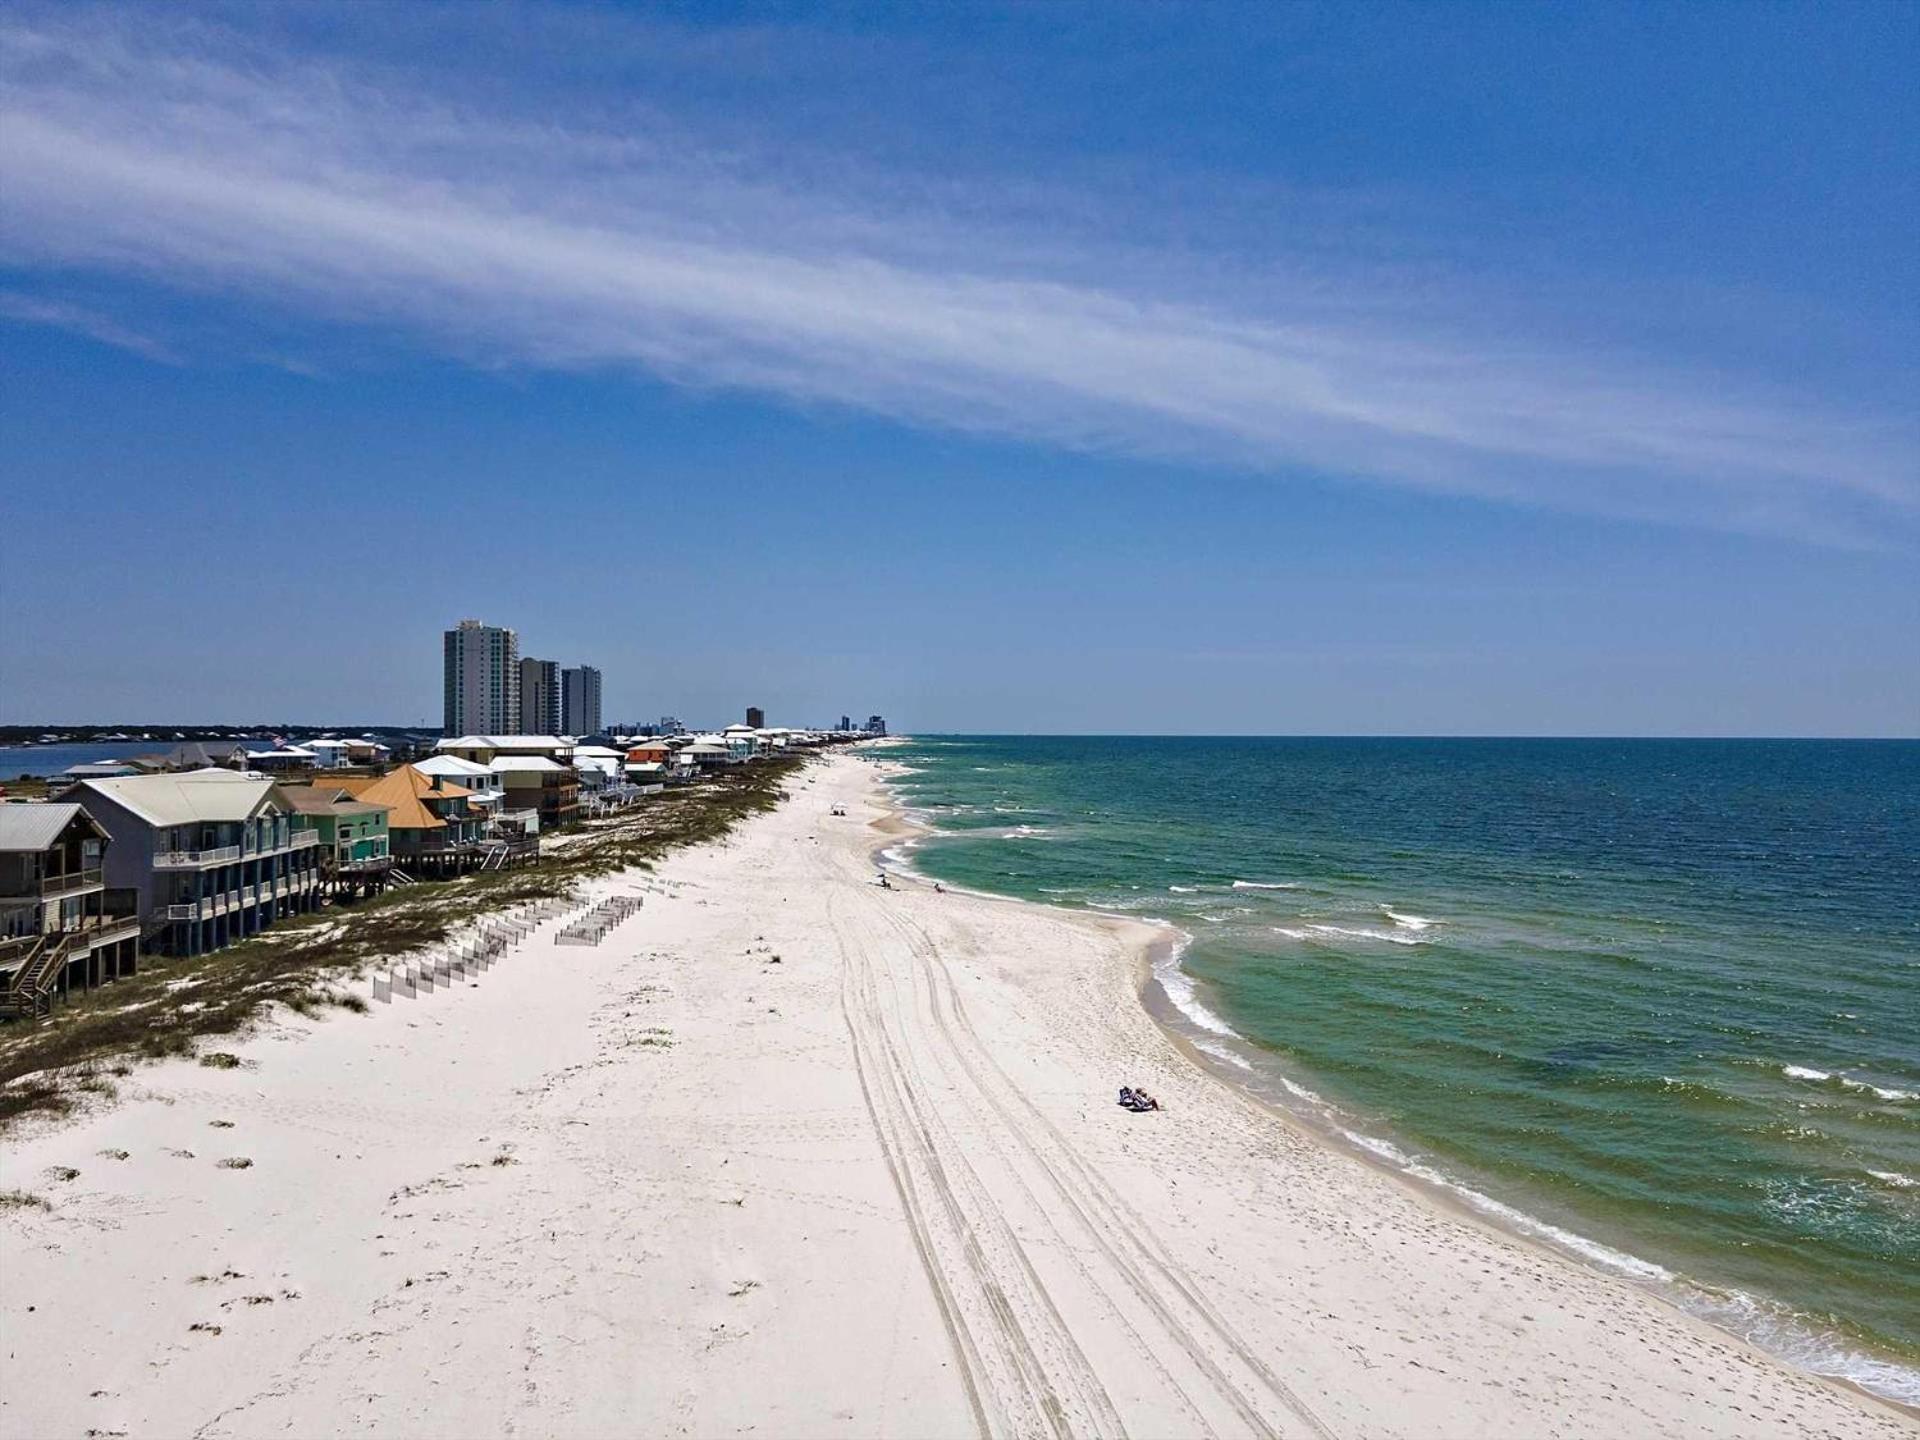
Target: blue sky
(1153, 368)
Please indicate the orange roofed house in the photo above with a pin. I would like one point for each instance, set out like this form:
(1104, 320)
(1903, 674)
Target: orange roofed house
(431, 826)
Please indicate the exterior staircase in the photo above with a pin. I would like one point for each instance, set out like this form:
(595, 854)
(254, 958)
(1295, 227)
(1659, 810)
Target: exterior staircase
(29, 995)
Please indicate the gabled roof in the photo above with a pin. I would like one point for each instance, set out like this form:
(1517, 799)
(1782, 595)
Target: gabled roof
(506, 742)
(197, 796)
(198, 752)
(326, 799)
(451, 765)
(34, 827)
(405, 793)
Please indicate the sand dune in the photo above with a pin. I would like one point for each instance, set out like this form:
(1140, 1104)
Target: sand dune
(791, 1155)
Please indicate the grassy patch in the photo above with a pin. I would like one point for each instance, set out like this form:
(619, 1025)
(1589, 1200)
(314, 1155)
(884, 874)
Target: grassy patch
(22, 1200)
(171, 1006)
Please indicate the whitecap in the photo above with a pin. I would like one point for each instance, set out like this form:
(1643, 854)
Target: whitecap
(1182, 890)
(1264, 885)
(1895, 1179)
(1865, 1087)
(1410, 922)
(1329, 933)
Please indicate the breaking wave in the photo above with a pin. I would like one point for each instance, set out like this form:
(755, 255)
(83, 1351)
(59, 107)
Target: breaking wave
(1847, 1082)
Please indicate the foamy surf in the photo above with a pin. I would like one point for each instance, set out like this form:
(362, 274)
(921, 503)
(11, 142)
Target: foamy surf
(1327, 934)
(1847, 1082)
(1264, 885)
(1408, 922)
(1180, 991)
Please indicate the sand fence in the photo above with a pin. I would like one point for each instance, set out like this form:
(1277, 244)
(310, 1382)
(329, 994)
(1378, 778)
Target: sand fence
(479, 947)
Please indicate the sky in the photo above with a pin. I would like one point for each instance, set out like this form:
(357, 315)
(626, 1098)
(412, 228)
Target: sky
(1086, 369)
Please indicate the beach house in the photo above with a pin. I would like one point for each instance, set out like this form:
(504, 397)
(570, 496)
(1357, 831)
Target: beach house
(535, 771)
(483, 786)
(354, 853)
(432, 826)
(213, 856)
(60, 925)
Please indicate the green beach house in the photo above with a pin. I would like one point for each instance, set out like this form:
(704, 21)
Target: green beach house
(353, 833)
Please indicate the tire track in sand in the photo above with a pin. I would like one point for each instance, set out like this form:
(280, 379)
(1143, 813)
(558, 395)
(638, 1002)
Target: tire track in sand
(1154, 1278)
(1023, 1368)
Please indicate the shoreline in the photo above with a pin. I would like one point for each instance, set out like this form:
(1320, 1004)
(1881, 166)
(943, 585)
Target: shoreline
(791, 1154)
(1287, 1103)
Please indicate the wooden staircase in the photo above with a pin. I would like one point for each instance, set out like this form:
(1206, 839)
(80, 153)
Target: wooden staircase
(29, 995)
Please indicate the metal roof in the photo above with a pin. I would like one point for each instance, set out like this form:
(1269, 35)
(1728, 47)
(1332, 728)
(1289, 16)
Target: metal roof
(506, 742)
(34, 826)
(449, 765)
(197, 795)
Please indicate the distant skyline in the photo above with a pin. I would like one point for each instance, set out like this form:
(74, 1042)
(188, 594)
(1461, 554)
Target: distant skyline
(1155, 369)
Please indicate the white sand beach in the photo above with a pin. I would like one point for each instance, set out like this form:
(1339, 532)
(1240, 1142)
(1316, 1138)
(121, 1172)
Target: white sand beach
(792, 1155)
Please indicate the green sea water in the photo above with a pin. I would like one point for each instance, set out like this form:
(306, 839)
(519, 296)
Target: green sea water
(1657, 1002)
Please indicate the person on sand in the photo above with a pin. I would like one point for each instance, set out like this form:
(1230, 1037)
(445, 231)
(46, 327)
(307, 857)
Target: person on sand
(938, 888)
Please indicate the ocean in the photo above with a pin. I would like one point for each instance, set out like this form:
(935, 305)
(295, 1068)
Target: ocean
(1654, 1002)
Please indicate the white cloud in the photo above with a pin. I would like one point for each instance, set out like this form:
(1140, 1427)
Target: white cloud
(514, 243)
(38, 310)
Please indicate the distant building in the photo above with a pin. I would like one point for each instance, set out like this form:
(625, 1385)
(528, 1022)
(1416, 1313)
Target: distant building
(876, 725)
(482, 679)
(580, 702)
(539, 697)
(670, 725)
(846, 723)
(535, 771)
(756, 718)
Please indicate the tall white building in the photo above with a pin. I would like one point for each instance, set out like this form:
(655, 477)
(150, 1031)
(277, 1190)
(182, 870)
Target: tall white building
(482, 677)
(580, 707)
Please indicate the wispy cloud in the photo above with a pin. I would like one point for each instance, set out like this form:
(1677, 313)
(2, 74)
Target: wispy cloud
(508, 242)
(38, 310)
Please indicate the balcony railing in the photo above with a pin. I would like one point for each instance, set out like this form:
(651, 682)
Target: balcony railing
(226, 854)
(192, 859)
(51, 885)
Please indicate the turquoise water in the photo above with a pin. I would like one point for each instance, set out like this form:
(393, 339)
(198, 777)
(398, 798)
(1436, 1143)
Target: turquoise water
(1657, 1001)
